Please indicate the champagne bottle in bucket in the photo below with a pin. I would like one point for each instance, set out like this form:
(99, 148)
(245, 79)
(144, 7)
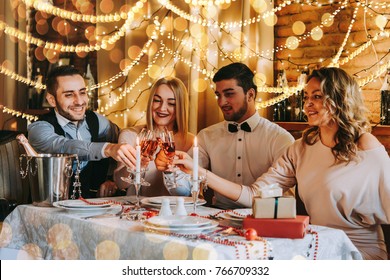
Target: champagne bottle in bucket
(49, 174)
(24, 142)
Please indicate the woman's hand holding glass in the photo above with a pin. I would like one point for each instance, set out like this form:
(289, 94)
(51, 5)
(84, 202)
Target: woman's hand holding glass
(149, 144)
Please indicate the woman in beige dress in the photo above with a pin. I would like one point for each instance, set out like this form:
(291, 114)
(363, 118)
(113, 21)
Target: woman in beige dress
(341, 169)
(167, 107)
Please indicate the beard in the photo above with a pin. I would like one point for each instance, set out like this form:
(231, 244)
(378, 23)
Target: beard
(236, 116)
(72, 116)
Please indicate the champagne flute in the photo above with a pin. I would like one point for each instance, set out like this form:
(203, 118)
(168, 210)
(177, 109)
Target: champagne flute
(149, 144)
(167, 144)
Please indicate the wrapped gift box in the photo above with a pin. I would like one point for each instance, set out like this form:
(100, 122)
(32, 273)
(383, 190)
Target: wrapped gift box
(281, 228)
(271, 191)
(274, 207)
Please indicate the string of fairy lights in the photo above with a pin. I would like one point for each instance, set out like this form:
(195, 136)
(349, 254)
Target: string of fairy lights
(191, 43)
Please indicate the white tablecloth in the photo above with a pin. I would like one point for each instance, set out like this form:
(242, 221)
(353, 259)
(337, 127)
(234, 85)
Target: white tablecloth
(52, 233)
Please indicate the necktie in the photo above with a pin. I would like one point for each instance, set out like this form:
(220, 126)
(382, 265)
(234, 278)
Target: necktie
(234, 127)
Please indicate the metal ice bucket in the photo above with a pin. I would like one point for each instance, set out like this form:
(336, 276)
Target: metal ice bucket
(49, 176)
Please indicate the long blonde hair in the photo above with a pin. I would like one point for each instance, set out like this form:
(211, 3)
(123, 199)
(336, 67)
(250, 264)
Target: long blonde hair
(343, 98)
(182, 102)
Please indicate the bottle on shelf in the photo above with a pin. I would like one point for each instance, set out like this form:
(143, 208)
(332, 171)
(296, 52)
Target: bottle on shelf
(385, 100)
(282, 110)
(24, 142)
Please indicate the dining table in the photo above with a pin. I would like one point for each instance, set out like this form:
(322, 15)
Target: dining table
(32, 232)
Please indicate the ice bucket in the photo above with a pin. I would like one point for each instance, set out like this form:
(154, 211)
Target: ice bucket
(49, 176)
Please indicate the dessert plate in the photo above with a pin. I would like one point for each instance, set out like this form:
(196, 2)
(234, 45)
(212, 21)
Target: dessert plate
(178, 221)
(240, 213)
(156, 201)
(88, 210)
(182, 230)
(77, 203)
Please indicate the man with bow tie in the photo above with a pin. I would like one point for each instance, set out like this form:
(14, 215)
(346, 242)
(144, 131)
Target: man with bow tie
(239, 149)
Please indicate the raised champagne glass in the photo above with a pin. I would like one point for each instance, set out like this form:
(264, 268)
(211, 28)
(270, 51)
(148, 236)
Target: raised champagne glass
(149, 144)
(167, 144)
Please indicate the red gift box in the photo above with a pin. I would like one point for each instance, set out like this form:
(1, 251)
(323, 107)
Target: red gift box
(282, 228)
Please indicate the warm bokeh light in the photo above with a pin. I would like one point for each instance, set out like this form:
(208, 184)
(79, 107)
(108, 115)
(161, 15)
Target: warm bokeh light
(133, 51)
(107, 250)
(199, 85)
(316, 33)
(42, 27)
(327, 19)
(154, 71)
(180, 24)
(55, 22)
(124, 63)
(381, 21)
(63, 28)
(298, 28)
(204, 252)
(150, 29)
(271, 20)
(292, 42)
(8, 64)
(38, 52)
(259, 6)
(259, 79)
(196, 30)
(70, 252)
(106, 6)
(90, 33)
(175, 250)
(59, 236)
(22, 12)
(116, 55)
(209, 12)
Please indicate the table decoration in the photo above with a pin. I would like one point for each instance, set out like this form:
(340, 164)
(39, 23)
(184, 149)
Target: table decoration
(274, 207)
(281, 228)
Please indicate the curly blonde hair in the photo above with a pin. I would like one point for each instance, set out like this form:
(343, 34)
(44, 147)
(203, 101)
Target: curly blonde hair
(343, 99)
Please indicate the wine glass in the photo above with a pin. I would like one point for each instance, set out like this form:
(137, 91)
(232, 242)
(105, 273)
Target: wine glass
(149, 144)
(167, 144)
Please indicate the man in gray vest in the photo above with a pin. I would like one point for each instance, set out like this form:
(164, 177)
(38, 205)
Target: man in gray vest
(72, 129)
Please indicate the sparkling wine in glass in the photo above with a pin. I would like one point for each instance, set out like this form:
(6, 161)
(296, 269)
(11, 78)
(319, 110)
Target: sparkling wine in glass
(149, 144)
(168, 146)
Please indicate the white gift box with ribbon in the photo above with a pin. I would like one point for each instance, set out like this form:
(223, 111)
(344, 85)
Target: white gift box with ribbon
(274, 207)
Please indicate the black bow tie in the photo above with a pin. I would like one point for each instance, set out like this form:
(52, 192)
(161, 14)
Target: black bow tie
(234, 127)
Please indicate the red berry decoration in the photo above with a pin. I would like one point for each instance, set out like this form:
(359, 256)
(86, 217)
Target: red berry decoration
(149, 214)
(250, 234)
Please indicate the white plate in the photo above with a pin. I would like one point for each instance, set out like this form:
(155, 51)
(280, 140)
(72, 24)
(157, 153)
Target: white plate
(89, 211)
(178, 221)
(77, 203)
(226, 216)
(172, 199)
(187, 201)
(240, 213)
(185, 230)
